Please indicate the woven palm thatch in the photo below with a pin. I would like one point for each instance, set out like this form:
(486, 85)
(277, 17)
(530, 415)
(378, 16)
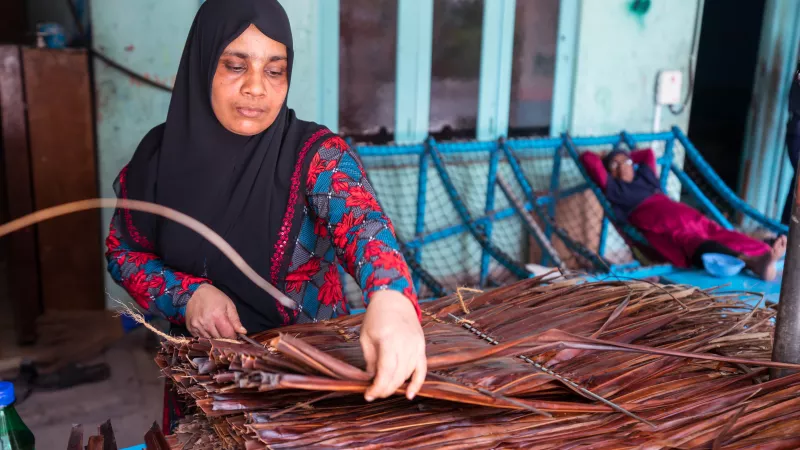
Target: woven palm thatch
(531, 365)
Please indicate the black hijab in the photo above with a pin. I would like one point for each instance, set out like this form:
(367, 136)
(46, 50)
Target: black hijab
(237, 185)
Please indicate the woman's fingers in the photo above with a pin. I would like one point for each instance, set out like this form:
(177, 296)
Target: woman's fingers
(418, 378)
(211, 314)
(398, 376)
(405, 363)
(197, 329)
(393, 345)
(211, 330)
(387, 364)
(370, 356)
(223, 326)
(233, 317)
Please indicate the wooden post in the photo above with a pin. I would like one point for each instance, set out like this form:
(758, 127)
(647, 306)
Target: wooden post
(787, 331)
(23, 264)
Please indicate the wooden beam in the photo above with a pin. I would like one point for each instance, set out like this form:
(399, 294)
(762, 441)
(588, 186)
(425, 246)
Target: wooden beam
(497, 47)
(63, 160)
(413, 83)
(23, 266)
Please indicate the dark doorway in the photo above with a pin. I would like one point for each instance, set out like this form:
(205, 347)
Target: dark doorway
(726, 65)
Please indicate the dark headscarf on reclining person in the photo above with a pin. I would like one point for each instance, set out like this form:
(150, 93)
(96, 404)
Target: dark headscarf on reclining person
(625, 197)
(611, 155)
(238, 185)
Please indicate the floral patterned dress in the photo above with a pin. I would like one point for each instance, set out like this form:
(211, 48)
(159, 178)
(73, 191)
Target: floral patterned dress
(341, 224)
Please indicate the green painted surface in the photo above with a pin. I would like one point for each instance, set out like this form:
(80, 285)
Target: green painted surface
(146, 36)
(639, 9)
(315, 74)
(618, 61)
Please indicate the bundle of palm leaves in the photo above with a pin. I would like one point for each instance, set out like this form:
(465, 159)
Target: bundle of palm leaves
(556, 364)
(531, 365)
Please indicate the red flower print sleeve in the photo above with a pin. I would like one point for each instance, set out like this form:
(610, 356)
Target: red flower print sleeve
(154, 286)
(346, 208)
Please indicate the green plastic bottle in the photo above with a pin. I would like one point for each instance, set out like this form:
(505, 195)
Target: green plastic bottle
(14, 434)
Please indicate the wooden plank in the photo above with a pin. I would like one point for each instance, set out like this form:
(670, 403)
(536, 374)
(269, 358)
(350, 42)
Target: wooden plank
(64, 169)
(23, 269)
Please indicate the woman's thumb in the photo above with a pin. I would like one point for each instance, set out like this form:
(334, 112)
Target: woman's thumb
(233, 317)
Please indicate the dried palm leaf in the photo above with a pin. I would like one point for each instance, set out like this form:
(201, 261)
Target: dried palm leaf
(532, 365)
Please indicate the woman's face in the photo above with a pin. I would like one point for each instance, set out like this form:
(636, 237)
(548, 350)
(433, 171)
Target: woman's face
(621, 168)
(250, 83)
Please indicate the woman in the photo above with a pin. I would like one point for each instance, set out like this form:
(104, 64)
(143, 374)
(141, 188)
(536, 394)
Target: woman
(288, 195)
(679, 233)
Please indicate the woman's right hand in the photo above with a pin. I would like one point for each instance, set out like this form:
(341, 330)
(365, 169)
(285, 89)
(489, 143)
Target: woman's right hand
(211, 314)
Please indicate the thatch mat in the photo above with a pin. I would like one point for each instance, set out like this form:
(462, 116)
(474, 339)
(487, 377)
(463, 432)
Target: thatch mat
(280, 397)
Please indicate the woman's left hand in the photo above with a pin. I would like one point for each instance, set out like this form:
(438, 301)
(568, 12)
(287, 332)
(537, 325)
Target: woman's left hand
(393, 345)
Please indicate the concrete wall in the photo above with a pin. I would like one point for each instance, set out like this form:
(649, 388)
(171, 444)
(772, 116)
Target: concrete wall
(147, 36)
(619, 55)
(315, 75)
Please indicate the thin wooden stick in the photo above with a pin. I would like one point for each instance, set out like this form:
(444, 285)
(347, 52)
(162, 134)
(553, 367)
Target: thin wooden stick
(152, 208)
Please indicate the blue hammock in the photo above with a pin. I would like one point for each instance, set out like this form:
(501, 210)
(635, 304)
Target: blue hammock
(443, 204)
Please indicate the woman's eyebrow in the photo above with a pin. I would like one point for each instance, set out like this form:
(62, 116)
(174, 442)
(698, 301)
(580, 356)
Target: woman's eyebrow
(244, 55)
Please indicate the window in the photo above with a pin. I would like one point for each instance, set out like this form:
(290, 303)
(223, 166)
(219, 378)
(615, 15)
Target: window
(455, 67)
(367, 54)
(533, 72)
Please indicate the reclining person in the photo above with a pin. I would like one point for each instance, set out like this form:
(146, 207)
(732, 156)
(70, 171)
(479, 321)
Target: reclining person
(679, 233)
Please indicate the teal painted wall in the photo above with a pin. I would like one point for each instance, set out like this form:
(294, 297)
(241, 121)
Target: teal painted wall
(619, 54)
(146, 36)
(766, 171)
(315, 75)
(606, 77)
(613, 57)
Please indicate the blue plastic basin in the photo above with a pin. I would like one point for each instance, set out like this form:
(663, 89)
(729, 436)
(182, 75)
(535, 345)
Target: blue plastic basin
(721, 265)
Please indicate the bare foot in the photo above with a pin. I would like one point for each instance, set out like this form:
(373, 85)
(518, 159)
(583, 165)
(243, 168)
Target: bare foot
(780, 246)
(764, 265)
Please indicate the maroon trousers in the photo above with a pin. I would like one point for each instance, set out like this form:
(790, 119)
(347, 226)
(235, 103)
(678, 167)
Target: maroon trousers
(676, 230)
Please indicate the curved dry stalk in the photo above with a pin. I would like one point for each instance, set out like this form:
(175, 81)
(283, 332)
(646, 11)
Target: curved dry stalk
(639, 369)
(622, 279)
(568, 340)
(159, 210)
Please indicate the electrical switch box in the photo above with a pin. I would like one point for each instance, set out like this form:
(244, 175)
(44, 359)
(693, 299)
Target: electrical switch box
(669, 87)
